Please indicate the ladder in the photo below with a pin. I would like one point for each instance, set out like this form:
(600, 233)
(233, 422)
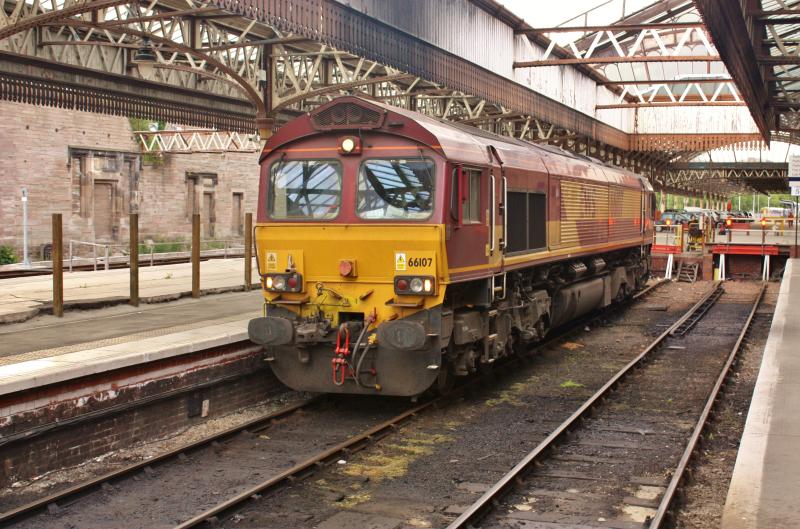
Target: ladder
(687, 272)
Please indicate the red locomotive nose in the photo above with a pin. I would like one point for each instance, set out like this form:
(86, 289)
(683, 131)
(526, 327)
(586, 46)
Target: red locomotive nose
(345, 268)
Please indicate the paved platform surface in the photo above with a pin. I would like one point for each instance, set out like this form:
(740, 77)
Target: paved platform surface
(49, 350)
(23, 297)
(740, 236)
(765, 487)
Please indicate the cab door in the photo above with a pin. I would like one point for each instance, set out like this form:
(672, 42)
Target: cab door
(469, 246)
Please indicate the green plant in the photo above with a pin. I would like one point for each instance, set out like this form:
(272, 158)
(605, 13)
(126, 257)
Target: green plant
(7, 255)
(571, 384)
(146, 125)
(216, 245)
(164, 246)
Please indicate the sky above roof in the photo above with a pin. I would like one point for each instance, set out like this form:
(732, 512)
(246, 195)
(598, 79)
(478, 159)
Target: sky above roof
(599, 11)
(538, 13)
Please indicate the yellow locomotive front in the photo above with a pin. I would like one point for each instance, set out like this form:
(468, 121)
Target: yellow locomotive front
(350, 249)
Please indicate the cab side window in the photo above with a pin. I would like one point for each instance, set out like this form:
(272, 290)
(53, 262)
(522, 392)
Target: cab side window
(471, 208)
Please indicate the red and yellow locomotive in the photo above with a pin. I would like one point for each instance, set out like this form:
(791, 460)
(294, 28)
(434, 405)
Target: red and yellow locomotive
(397, 251)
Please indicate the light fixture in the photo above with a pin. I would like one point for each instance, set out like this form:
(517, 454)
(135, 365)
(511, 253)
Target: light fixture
(145, 53)
(145, 59)
(349, 145)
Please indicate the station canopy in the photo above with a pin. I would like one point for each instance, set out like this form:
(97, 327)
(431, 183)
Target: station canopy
(660, 60)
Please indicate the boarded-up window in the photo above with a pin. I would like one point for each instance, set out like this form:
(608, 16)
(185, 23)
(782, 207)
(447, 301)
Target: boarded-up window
(103, 211)
(527, 222)
(237, 225)
(80, 198)
(208, 215)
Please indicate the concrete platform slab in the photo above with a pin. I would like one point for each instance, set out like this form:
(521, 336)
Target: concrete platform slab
(765, 486)
(27, 375)
(49, 336)
(22, 297)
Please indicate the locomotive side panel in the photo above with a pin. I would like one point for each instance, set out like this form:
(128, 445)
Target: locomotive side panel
(584, 213)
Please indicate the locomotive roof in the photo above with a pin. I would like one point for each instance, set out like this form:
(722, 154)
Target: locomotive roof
(461, 143)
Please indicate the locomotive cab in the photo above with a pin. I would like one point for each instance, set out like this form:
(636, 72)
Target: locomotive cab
(350, 240)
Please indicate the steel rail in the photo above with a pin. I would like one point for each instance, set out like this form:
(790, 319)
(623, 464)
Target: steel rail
(211, 516)
(690, 320)
(355, 443)
(663, 511)
(73, 492)
(514, 477)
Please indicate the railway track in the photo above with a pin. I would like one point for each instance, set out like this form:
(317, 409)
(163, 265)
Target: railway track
(53, 501)
(612, 455)
(109, 482)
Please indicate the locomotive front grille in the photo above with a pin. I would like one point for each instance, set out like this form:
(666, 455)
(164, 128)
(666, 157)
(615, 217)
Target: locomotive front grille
(347, 116)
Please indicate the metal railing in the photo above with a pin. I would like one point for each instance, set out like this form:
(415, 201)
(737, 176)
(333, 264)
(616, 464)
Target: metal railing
(102, 254)
(129, 255)
(94, 246)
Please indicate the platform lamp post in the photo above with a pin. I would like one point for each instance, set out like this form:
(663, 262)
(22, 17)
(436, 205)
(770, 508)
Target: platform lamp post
(134, 259)
(26, 259)
(196, 255)
(795, 192)
(248, 251)
(56, 256)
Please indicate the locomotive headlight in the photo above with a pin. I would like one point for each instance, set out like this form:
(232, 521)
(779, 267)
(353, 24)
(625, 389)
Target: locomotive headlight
(415, 285)
(349, 145)
(284, 282)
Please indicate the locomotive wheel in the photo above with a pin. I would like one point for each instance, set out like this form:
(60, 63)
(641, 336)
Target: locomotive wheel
(446, 379)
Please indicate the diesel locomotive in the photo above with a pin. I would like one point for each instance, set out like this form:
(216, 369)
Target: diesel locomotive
(397, 251)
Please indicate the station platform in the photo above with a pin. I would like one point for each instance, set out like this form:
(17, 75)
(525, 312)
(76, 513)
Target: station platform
(765, 486)
(22, 298)
(50, 350)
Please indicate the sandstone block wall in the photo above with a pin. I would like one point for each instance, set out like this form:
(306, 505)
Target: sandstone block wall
(62, 156)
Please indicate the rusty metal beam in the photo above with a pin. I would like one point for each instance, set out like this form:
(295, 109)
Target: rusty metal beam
(784, 104)
(26, 79)
(347, 29)
(670, 104)
(616, 28)
(690, 142)
(159, 16)
(726, 23)
(778, 60)
(765, 13)
(668, 81)
(619, 60)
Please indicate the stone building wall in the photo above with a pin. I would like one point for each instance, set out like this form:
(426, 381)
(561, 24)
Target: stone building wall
(88, 168)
